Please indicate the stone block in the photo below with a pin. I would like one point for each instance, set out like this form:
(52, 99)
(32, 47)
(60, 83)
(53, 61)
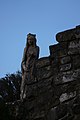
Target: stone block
(52, 114)
(44, 83)
(74, 44)
(62, 53)
(65, 88)
(42, 62)
(54, 48)
(61, 111)
(65, 59)
(58, 50)
(43, 72)
(66, 77)
(74, 51)
(66, 96)
(65, 67)
(74, 47)
(76, 61)
(68, 35)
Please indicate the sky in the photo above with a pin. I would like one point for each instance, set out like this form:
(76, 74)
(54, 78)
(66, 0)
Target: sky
(45, 18)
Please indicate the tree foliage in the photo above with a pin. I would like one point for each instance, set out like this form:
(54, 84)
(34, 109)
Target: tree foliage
(9, 92)
(10, 87)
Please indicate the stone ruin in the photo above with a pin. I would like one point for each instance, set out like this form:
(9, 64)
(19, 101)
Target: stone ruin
(55, 95)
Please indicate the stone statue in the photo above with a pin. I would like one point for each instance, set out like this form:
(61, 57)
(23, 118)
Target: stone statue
(30, 55)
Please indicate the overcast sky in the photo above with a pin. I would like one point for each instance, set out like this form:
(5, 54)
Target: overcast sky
(45, 18)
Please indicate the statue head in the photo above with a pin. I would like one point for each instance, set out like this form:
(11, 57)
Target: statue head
(31, 40)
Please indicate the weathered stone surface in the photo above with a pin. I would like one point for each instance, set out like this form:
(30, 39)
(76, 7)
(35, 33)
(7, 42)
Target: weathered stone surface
(68, 34)
(74, 44)
(52, 114)
(54, 48)
(43, 72)
(44, 83)
(58, 50)
(65, 67)
(64, 111)
(73, 51)
(42, 62)
(65, 59)
(65, 96)
(61, 111)
(68, 76)
(65, 88)
(76, 61)
(74, 47)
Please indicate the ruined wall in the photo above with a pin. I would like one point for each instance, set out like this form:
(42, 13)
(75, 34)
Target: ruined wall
(65, 57)
(55, 93)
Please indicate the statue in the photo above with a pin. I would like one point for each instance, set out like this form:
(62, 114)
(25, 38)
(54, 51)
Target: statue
(30, 55)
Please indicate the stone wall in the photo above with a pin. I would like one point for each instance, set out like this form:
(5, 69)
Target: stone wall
(65, 58)
(55, 93)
